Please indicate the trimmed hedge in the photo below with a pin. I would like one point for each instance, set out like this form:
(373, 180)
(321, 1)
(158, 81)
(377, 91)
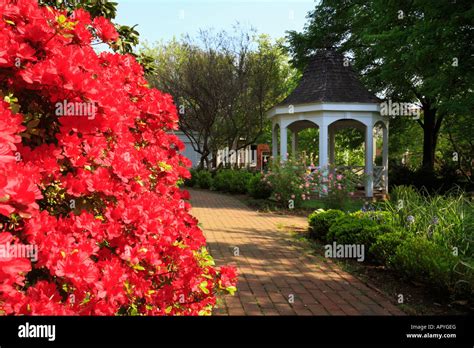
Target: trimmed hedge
(347, 229)
(232, 181)
(385, 246)
(321, 220)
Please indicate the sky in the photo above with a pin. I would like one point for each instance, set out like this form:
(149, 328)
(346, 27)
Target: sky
(162, 19)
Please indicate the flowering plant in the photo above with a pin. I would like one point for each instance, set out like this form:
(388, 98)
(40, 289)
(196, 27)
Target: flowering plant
(293, 181)
(97, 196)
(335, 187)
(290, 181)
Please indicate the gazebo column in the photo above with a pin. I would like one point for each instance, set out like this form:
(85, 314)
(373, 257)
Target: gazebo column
(283, 142)
(369, 160)
(323, 154)
(385, 157)
(274, 142)
(323, 145)
(332, 146)
(294, 143)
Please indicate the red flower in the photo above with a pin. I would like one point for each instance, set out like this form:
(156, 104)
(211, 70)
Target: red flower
(97, 194)
(105, 29)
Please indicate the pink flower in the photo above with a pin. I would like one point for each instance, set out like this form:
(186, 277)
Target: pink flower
(339, 177)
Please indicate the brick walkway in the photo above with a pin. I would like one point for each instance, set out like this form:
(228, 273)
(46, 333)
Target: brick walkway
(276, 277)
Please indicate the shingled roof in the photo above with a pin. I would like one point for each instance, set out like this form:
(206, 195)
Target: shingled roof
(326, 79)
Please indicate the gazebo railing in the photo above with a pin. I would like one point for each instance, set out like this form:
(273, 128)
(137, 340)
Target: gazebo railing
(379, 177)
(357, 171)
(359, 175)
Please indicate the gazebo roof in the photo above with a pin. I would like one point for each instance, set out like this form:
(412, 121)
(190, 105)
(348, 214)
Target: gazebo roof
(327, 79)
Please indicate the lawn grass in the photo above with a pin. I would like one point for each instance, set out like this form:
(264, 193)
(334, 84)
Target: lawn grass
(351, 205)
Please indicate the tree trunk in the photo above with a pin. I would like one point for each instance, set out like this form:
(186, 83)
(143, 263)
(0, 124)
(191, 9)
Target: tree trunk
(204, 161)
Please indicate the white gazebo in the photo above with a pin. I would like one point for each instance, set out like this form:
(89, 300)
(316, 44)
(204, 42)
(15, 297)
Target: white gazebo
(331, 97)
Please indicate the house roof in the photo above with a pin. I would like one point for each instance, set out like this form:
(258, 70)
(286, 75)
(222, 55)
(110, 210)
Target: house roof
(327, 79)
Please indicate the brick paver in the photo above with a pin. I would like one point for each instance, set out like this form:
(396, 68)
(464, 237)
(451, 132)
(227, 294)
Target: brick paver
(276, 277)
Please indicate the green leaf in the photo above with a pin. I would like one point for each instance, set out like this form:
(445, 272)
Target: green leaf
(138, 267)
(231, 290)
(203, 287)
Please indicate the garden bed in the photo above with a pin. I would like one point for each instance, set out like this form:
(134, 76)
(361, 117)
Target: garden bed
(424, 240)
(419, 299)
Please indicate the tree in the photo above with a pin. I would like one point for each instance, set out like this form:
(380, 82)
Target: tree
(92, 221)
(459, 154)
(410, 51)
(224, 84)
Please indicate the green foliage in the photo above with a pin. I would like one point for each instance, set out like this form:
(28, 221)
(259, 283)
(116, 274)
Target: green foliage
(397, 51)
(96, 8)
(232, 181)
(458, 153)
(424, 260)
(350, 229)
(380, 216)
(321, 220)
(360, 228)
(349, 144)
(446, 219)
(203, 179)
(405, 237)
(258, 187)
(385, 246)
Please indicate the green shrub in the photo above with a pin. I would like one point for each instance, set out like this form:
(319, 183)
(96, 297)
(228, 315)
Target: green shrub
(379, 216)
(321, 220)
(347, 229)
(368, 236)
(239, 181)
(221, 180)
(424, 260)
(233, 181)
(258, 187)
(203, 179)
(385, 246)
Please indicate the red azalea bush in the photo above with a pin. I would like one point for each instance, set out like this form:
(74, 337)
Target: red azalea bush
(97, 192)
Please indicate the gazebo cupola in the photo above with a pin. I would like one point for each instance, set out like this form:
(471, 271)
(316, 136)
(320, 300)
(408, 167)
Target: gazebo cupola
(331, 97)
